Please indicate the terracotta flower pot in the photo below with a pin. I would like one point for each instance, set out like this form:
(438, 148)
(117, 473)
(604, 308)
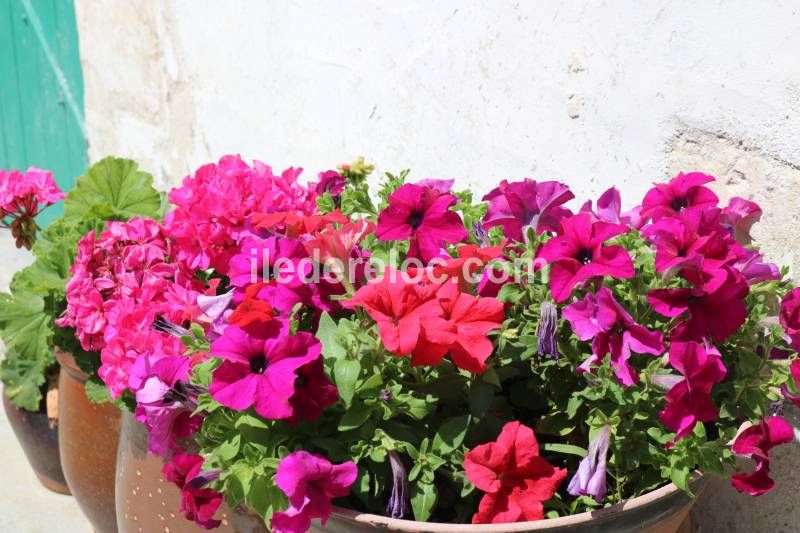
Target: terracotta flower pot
(145, 502)
(39, 440)
(665, 510)
(89, 435)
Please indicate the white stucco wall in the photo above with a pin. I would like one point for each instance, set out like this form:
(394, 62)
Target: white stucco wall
(591, 93)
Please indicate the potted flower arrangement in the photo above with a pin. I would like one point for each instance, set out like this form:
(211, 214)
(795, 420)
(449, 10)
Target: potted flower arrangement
(111, 189)
(419, 360)
(29, 371)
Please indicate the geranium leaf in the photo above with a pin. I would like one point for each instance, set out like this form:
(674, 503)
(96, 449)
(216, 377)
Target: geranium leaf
(23, 379)
(113, 188)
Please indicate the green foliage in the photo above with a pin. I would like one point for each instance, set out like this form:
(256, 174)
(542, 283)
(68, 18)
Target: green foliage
(113, 189)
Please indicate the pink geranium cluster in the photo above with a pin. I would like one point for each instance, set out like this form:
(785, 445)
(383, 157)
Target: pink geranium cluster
(121, 281)
(22, 197)
(213, 208)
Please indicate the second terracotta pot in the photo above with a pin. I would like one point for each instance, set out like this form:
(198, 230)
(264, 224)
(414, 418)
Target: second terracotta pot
(89, 435)
(39, 440)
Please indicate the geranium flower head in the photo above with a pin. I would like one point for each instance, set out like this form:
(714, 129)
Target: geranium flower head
(756, 442)
(601, 319)
(251, 310)
(579, 253)
(514, 477)
(310, 482)
(684, 191)
(421, 214)
(525, 204)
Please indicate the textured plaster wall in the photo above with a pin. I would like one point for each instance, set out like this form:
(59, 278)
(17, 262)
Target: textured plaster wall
(591, 93)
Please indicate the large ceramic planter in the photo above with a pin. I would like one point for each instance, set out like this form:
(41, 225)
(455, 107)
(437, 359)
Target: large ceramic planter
(39, 440)
(665, 510)
(144, 501)
(89, 435)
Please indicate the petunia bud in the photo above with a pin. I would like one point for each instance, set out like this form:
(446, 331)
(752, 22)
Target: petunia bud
(481, 234)
(162, 325)
(590, 479)
(548, 324)
(399, 504)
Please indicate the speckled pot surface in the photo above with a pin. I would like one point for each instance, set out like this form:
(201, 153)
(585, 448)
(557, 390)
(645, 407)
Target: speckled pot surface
(89, 435)
(145, 502)
(39, 440)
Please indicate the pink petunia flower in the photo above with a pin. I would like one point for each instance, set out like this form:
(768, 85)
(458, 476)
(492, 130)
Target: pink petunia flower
(421, 214)
(790, 317)
(579, 254)
(261, 367)
(281, 264)
(310, 482)
(611, 329)
(739, 216)
(165, 403)
(756, 442)
(525, 204)
(689, 400)
(716, 314)
(684, 191)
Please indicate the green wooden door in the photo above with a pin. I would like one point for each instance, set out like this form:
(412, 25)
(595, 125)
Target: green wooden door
(41, 91)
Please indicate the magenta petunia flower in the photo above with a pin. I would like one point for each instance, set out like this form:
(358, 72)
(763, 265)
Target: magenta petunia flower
(689, 400)
(525, 204)
(579, 254)
(754, 269)
(609, 209)
(739, 216)
(198, 502)
(421, 214)
(165, 403)
(790, 317)
(310, 482)
(756, 442)
(280, 263)
(684, 191)
(612, 330)
(261, 368)
(331, 182)
(715, 313)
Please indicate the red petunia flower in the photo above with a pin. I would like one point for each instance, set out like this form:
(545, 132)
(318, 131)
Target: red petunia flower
(398, 307)
(756, 442)
(422, 214)
(684, 191)
(579, 254)
(514, 477)
(198, 503)
(461, 330)
(252, 310)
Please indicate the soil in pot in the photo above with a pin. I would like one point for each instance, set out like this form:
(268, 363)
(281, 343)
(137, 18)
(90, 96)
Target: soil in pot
(38, 436)
(144, 501)
(89, 435)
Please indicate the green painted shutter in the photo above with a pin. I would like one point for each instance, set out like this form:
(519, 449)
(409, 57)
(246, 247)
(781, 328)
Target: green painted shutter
(41, 91)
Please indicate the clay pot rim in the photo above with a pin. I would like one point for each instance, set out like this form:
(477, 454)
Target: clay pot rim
(411, 526)
(67, 362)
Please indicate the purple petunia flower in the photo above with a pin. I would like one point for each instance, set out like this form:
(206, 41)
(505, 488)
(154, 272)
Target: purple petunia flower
(590, 479)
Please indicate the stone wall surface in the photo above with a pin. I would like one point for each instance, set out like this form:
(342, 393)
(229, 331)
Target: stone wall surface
(590, 93)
